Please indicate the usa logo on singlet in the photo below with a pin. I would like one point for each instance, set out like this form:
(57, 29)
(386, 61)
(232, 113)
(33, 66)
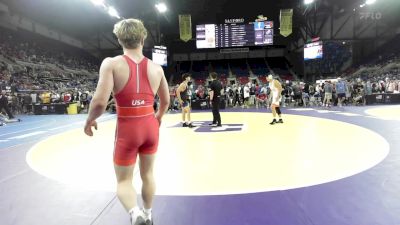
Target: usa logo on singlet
(137, 102)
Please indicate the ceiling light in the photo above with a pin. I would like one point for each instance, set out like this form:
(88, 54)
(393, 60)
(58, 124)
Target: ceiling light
(98, 3)
(113, 12)
(161, 7)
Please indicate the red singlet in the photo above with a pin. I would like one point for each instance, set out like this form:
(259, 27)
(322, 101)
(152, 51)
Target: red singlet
(137, 128)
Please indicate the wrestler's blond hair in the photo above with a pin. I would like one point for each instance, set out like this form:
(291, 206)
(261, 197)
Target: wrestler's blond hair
(130, 33)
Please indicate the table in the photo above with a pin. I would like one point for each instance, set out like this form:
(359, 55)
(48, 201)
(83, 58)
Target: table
(54, 108)
(382, 99)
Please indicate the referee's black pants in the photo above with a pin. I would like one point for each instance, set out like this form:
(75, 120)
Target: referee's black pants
(215, 110)
(7, 109)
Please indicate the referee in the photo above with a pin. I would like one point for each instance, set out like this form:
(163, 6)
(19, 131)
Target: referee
(4, 104)
(215, 98)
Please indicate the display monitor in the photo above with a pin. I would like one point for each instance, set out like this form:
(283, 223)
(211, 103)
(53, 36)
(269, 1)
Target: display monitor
(313, 50)
(259, 33)
(160, 55)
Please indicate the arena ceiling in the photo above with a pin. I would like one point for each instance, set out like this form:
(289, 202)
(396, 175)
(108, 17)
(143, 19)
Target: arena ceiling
(81, 19)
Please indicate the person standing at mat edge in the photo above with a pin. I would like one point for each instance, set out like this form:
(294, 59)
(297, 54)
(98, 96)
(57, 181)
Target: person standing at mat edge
(134, 81)
(276, 92)
(215, 98)
(4, 104)
(182, 93)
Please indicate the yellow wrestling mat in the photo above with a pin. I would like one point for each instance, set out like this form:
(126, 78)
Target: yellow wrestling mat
(246, 155)
(386, 113)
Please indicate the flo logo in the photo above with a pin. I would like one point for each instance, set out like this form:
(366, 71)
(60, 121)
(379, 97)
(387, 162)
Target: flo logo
(370, 15)
(203, 126)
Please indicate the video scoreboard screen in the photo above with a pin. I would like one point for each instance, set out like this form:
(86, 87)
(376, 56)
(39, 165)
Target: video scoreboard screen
(313, 50)
(235, 35)
(159, 55)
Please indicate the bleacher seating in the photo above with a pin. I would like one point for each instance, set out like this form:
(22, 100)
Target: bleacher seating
(220, 66)
(200, 72)
(180, 68)
(262, 79)
(239, 67)
(243, 79)
(29, 61)
(223, 78)
(279, 66)
(258, 66)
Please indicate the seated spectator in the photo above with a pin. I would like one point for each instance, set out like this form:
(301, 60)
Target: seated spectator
(262, 100)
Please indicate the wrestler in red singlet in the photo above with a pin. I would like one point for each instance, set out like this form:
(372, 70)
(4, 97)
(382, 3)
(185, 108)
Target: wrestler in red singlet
(134, 86)
(135, 110)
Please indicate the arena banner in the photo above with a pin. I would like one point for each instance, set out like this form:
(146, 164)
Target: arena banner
(286, 18)
(185, 27)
